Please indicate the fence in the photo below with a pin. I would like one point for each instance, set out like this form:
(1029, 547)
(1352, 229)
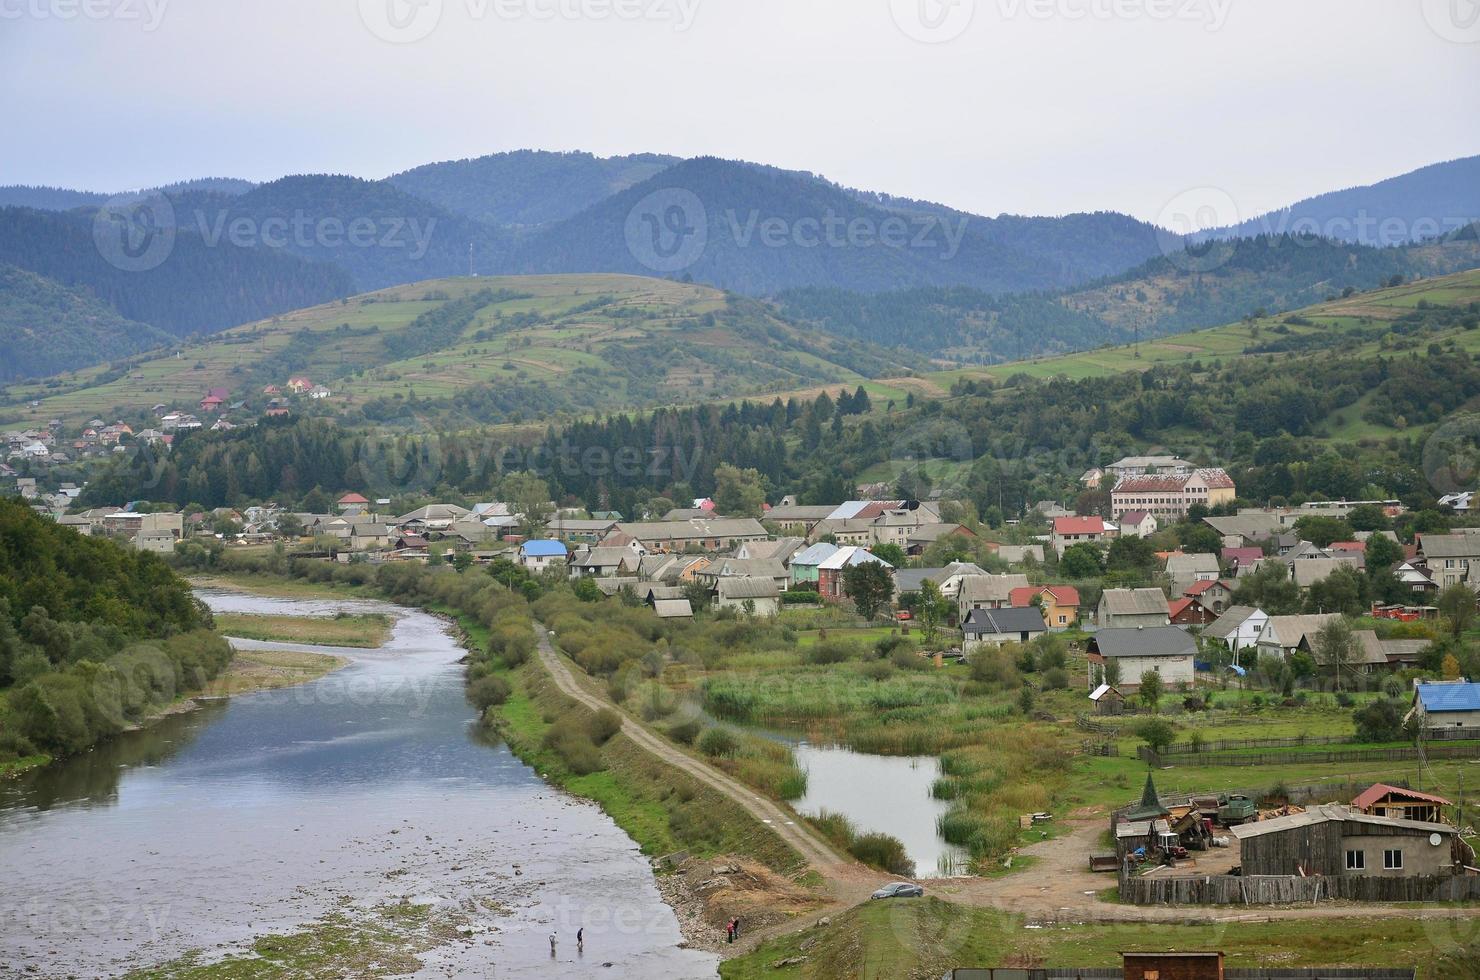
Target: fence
(1298, 741)
(1291, 890)
(1309, 758)
(1229, 973)
(1338, 790)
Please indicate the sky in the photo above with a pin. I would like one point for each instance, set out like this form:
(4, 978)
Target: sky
(991, 106)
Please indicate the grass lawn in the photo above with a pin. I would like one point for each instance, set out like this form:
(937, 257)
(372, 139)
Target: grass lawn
(368, 630)
(925, 938)
(280, 585)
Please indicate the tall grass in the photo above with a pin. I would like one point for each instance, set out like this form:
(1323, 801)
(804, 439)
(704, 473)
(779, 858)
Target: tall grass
(876, 850)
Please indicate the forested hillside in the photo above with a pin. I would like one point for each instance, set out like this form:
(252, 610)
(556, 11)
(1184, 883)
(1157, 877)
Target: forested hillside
(199, 288)
(527, 188)
(93, 636)
(47, 328)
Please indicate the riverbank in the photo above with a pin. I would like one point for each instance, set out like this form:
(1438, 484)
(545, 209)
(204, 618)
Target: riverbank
(270, 670)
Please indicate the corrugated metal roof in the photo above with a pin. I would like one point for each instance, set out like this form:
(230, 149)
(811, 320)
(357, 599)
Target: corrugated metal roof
(1449, 697)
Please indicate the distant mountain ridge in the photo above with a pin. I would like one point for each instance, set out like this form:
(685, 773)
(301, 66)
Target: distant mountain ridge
(1429, 202)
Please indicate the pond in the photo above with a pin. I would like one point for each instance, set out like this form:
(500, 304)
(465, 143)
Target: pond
(882, 794)
(367, 787)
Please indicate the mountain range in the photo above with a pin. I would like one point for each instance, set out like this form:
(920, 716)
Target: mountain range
(862, 263)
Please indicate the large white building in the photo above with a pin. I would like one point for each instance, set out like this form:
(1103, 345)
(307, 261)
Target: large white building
(1168, 497)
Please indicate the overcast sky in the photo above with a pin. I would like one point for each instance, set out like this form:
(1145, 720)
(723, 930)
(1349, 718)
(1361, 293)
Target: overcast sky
(1026, 106)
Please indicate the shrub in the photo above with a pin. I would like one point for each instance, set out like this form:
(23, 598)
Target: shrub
(878, 670)
(603, 725)
(1055, 679)
(485, 692)
(685, 731)
(718, 742)
(574, 746)
(832, 652)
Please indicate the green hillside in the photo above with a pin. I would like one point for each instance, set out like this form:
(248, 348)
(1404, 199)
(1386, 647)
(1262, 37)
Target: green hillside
(46, 327)
(484, 350)
(1356, 324)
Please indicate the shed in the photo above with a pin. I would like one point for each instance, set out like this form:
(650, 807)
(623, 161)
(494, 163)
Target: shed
(1383, 800)
(1338, 840)
(673, 609)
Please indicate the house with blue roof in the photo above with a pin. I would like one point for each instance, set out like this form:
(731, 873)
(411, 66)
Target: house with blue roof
(1448, 705)
(539, 555)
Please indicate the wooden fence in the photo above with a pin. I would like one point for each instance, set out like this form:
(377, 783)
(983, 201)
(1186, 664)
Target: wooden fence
(1298, 741)
(1308, 758)
(1229, 973)
(1292, 890)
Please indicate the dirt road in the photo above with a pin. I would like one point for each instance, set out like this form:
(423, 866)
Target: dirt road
(1058, 887)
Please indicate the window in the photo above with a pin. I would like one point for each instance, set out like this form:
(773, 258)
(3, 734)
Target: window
(1356, 861)
(1392, 860)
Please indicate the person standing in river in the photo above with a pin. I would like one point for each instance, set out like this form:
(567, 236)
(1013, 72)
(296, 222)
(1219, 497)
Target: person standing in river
(552, 945)
(581, 940)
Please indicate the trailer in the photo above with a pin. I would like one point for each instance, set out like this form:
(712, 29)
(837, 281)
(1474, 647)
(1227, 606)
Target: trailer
(1235, 810)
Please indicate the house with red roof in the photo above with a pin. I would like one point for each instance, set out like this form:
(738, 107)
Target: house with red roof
(299, 384)
(1241, 560)
(1060, 603)
(211, 403)
(1073, 530)
(1137, 524)
(1215, 595)
(351, 500)
(1187, 611)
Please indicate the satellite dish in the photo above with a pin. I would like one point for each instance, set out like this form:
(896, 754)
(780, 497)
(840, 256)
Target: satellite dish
(1435, 839)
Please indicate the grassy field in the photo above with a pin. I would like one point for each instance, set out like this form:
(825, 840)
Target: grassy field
(623, 340)
(268, 670)
(368, 630)
(925, 938)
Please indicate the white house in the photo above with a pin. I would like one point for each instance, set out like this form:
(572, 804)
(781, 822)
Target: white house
(1167, 650)
(540, 555)
(1238, 628)
(759, 595)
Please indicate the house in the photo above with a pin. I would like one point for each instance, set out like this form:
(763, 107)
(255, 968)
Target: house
(994, 627)
(540, 555)
(1016, 554)
(298, 385)
(1215, 595)
(1308, 571)
(1171, 496)
(803, 569)
(926, 535)
(1375, 655)
(577, 530)
(759, 596)
(710, 534)
(830, 577)
(1090, 478)
(1128, 466)
(319, 392)
(1382, 800)
(1415, 577)
(1167, 650)
(1238, 558)
(159, 542)
(351, 500)
(1454, 705)
(1238, 628)
(1285, 635)
(794, 519)
(1448, 556)
(1132, 608)
(1059, 603)
(947, 579)
(1186, 570)
(605, 562)
(745, 568)
(1187, 611)
(781, 549)
(1107, 700)
(211, 403)
(432, 517)
(1137, 524)
(673, 608)
(1073, 530)
(986, 592)
(1332, 839)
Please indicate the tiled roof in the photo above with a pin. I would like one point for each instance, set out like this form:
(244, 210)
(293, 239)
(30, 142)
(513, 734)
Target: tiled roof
(1078, 525)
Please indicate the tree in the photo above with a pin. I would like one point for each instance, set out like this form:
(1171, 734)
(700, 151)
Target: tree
(1336, 647)
(739, 493)
(932, 608)
(892, 553)
(289, 526)
(1380, 721)
(1382, 553)
(1320, 530)
(1270, 588)
(1367, 517)
(1130, 554)
(1080, 561)
(1112, 672)
(1151, 689)
(586, 589)
(1457, 605)
(1199, 539)
(1450, 667)
(1345, 590)
(1157, 733)
(530, 497)
(870, 585)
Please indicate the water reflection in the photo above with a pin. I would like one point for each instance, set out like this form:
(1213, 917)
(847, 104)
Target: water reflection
(260, 814)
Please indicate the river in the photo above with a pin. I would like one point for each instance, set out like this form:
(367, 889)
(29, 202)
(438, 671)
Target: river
(366, 787)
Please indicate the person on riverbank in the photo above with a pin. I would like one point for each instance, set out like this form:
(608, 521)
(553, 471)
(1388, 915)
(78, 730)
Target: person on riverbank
(737, 927)
(581, 940)
(552, 945)
(730, 931)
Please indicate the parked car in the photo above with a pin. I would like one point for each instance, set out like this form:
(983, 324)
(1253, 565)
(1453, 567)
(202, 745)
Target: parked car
(900, 889)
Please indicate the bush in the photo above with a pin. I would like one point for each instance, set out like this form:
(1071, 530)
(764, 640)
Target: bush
(684, 732)
(568, 739)
(1055, 679)
(832, 652)
(603, 725)
(718, 742)
(884, 852)
(878, 670)
(485, 692)
(1344, 700)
